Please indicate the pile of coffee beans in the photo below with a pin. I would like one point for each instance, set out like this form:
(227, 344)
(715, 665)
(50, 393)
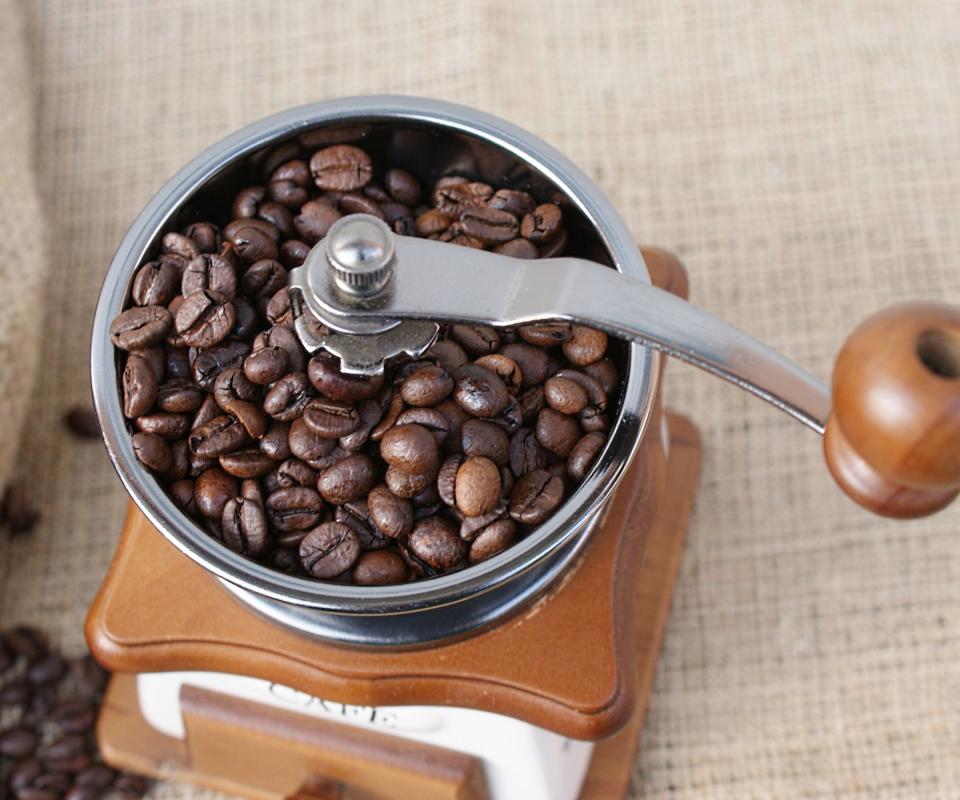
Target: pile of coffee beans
(440, 463)
(48, 710)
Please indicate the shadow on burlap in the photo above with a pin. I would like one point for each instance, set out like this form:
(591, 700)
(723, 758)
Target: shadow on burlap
(804, 160)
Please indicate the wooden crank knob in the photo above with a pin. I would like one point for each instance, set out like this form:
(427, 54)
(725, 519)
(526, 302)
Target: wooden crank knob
(893, 439)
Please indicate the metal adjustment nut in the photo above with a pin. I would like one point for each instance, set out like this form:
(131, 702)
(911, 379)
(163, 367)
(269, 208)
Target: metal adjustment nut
(361, 255)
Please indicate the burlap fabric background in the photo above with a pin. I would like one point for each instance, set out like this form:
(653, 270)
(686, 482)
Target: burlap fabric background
(803, 158)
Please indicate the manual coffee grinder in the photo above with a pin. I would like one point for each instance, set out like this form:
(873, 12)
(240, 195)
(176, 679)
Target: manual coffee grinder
(524, 677)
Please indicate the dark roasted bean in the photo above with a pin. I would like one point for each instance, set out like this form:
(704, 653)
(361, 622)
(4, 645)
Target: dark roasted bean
(426, 386)
(254, 242)
(436, 541)
(518, 248)
(356, 516)
(535, 496)
(447, 354)
(479, 391)
(410, 448)
(331, 418)
(586, 346)
(209, 271)
(341, 168)
(533, 362)
(356, 203)
(315, 219)
(406, 484)
(294, 508)
(288, 397)
(489, 225)
(329, 550)
(565, 395)
(493, 539)
(326, 377)
(152, 451)
(447, 478)
(293, 252)
(205, 318)
(207, 363)
(541, 224)
(213, 489)
(516, 202)
(177, 396)
(155, 284)
(482, 438)
(140, 327)
(505, 368)
(294, 472)
(453, 198)
(546, 334)
(557, 432)
(205, 235)
(82, 422)
(352, 478)
(180, 245)
(402, 186)
(392, 515)
(432, 223)
(246, 463)
(379, 568)
(429, 418)
(244, 524)
(222, 434)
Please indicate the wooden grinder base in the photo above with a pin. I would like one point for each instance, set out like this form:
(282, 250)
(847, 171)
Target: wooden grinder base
(580, 661)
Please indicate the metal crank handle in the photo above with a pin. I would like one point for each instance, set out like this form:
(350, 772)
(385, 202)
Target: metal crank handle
(363, 279)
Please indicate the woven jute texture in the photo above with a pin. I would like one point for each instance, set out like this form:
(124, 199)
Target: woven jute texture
(804, 160)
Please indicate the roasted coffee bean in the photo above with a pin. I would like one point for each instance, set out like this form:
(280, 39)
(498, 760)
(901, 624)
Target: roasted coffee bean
(349, 479)
(130, 787)
(356, 516)
(429, 418)
(331, 418)
(209, 362)
(308, 445)
(392, 515)
(232, 385)
(489, 225)
(16, 511)
(263, 278)
(279, 310)
(182, 493)
(541, 224)
(406, 484)
(165, 424)
(287, 193)
(278, 215)
(74, 715)
(295, 170)
(275, 442)
(356, 203)
(47, 669)
(565, 395)
(518, 248)
(535, 496)
(288, 397)
(341, 168)
(205, 235)
(167, 362)
(294, 508)
(208, 410)
(315, 220)
(246, 463)
(140, 327)
(370, 413)
(447, 478)
(285, 339)
(253, 242)
(155, 284)
(152, 451)
(493, 539)
(447, 354)
(505, 368)
(180, 466)
(326, 377)
(205, 318)
(526, 454)
(244, 524)
(546, 334)
(389, 419)
(379, 568)
(329, 550)
(471, 526)
(605, 373)
(427, 386)
(402, 186)
(222, 434)
(294, 472)
(583, 454)
(479, 391)
(477, 487)
(596, 396)
(557, 246)
(26, 642)
(248, 321)
(293, 253)
(454, 197)
(17, 742)
(432, 223)
(518, 203)
(410, 448)
(209, 271)
(477, 340)
(435, 541)
(82, 422)
(586, 346)
(213, 489)
(592, 420)
(532, 361)
(557, 432)
(481, 438)
(180, 245)
(177, 396)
